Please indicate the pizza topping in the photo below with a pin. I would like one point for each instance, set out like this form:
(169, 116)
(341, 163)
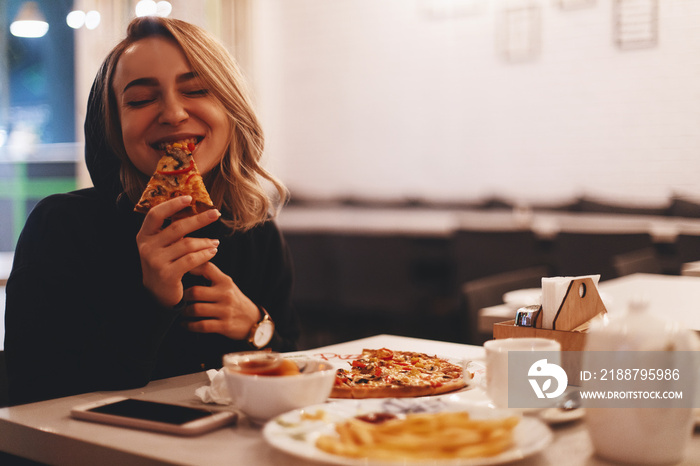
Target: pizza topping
(177, 172)
(384, 370)
(179, 157)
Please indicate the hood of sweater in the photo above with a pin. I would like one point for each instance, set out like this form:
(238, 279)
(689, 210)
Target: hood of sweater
(101, 160)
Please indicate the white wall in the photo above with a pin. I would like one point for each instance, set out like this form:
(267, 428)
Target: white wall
(382, 98)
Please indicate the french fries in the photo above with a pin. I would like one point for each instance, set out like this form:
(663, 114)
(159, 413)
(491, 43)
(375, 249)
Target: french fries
(421, 436)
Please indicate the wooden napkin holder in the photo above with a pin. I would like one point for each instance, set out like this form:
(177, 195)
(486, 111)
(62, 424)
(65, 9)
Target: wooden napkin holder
(580, 305)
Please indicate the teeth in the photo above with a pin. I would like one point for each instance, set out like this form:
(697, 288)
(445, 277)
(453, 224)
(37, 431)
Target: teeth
(167, 145)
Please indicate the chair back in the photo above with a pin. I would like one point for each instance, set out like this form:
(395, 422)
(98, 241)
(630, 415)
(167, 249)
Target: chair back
(482, 253)
(641, 261)
(688, 248)
(488, 291)
(592, 253)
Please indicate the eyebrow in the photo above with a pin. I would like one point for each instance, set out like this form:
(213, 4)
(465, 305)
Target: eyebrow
(154, 82)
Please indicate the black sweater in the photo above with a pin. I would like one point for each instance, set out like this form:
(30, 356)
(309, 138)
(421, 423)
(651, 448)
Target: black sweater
(79, 319)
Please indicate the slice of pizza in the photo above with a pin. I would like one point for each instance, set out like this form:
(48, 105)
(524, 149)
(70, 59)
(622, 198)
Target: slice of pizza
(176, 175)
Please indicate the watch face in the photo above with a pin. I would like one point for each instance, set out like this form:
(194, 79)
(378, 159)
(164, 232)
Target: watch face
(263, 334)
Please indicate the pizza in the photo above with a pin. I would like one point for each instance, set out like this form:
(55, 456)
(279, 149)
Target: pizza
(383, 373)
(176, 175)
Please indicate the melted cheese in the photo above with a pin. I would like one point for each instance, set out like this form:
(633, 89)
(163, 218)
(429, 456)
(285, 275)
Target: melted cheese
(385, 368)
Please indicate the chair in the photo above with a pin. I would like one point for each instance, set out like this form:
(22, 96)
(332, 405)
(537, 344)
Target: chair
(488, 291)
(592, 253)
(315, 269)
(394, 278)
(641, 261)
(688, 248)
(684, 208)
(588, 204)
(482, 253)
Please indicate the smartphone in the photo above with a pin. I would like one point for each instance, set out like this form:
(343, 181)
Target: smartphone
(152, 415)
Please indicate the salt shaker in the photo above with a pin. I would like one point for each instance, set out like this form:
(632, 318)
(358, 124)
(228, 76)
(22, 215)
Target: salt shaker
(639, 435)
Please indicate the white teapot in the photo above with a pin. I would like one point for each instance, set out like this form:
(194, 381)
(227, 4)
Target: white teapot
(639, 435)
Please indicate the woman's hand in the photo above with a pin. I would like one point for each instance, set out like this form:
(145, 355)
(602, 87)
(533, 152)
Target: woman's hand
(166, 254)
(222, 305)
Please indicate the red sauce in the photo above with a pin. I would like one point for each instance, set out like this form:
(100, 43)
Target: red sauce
(260, 363)
(376, 418)
(258, 366)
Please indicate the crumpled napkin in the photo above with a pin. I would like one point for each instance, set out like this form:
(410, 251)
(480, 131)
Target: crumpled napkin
(216, 391)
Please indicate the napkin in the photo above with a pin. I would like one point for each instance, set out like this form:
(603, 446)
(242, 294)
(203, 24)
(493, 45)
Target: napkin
(216, 391)
(553, 292)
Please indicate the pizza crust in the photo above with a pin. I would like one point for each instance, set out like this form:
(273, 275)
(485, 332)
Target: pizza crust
(396, 392)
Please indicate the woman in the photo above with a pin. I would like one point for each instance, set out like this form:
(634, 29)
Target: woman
(101, 297)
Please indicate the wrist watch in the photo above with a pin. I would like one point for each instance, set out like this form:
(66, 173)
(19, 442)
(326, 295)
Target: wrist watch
(261, 333)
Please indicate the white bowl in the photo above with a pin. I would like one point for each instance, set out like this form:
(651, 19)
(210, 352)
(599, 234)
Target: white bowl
(262, 397)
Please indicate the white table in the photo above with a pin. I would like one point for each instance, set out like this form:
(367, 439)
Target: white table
(364, 221)
(691, 269)
(44, 431)
(674, 297)
(436, 222)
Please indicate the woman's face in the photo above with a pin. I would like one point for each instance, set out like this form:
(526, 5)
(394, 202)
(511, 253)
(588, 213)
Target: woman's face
(161, 99)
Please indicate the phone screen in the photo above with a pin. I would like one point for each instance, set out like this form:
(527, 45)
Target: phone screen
(152, 411)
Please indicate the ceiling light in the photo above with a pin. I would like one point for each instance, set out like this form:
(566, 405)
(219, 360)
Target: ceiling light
(76, 19)
(29, 22)
(151, 8)
(92, 19)
(163, 8)
(146, 8)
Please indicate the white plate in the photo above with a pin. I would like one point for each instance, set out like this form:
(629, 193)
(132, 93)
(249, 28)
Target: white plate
(343, 361)
(296, 435)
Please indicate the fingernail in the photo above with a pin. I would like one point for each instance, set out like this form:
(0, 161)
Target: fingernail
(213, 213)
(185, 200)
(215, 242)
(213, 251)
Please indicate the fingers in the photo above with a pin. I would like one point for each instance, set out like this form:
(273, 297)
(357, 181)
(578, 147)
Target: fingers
(221, 307)
(214, 318)
(222, 289)
(205, 326)
(156, 217)
(189, 252)
(186, 254)
(193, 260)
(212, 273)
(159, 247)
(179, 228)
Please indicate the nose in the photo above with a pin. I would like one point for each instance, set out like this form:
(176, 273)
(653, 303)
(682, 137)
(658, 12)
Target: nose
(172, 111)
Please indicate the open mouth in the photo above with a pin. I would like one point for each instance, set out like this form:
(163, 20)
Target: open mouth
(187, 143)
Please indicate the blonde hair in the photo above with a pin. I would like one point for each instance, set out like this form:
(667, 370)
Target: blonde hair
(236, 184)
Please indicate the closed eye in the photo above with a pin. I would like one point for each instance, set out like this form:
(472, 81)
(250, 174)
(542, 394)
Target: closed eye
(197, 92)
(139, 103)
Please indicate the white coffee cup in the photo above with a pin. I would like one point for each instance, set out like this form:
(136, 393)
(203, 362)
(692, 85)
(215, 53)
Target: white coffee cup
(497, 363)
